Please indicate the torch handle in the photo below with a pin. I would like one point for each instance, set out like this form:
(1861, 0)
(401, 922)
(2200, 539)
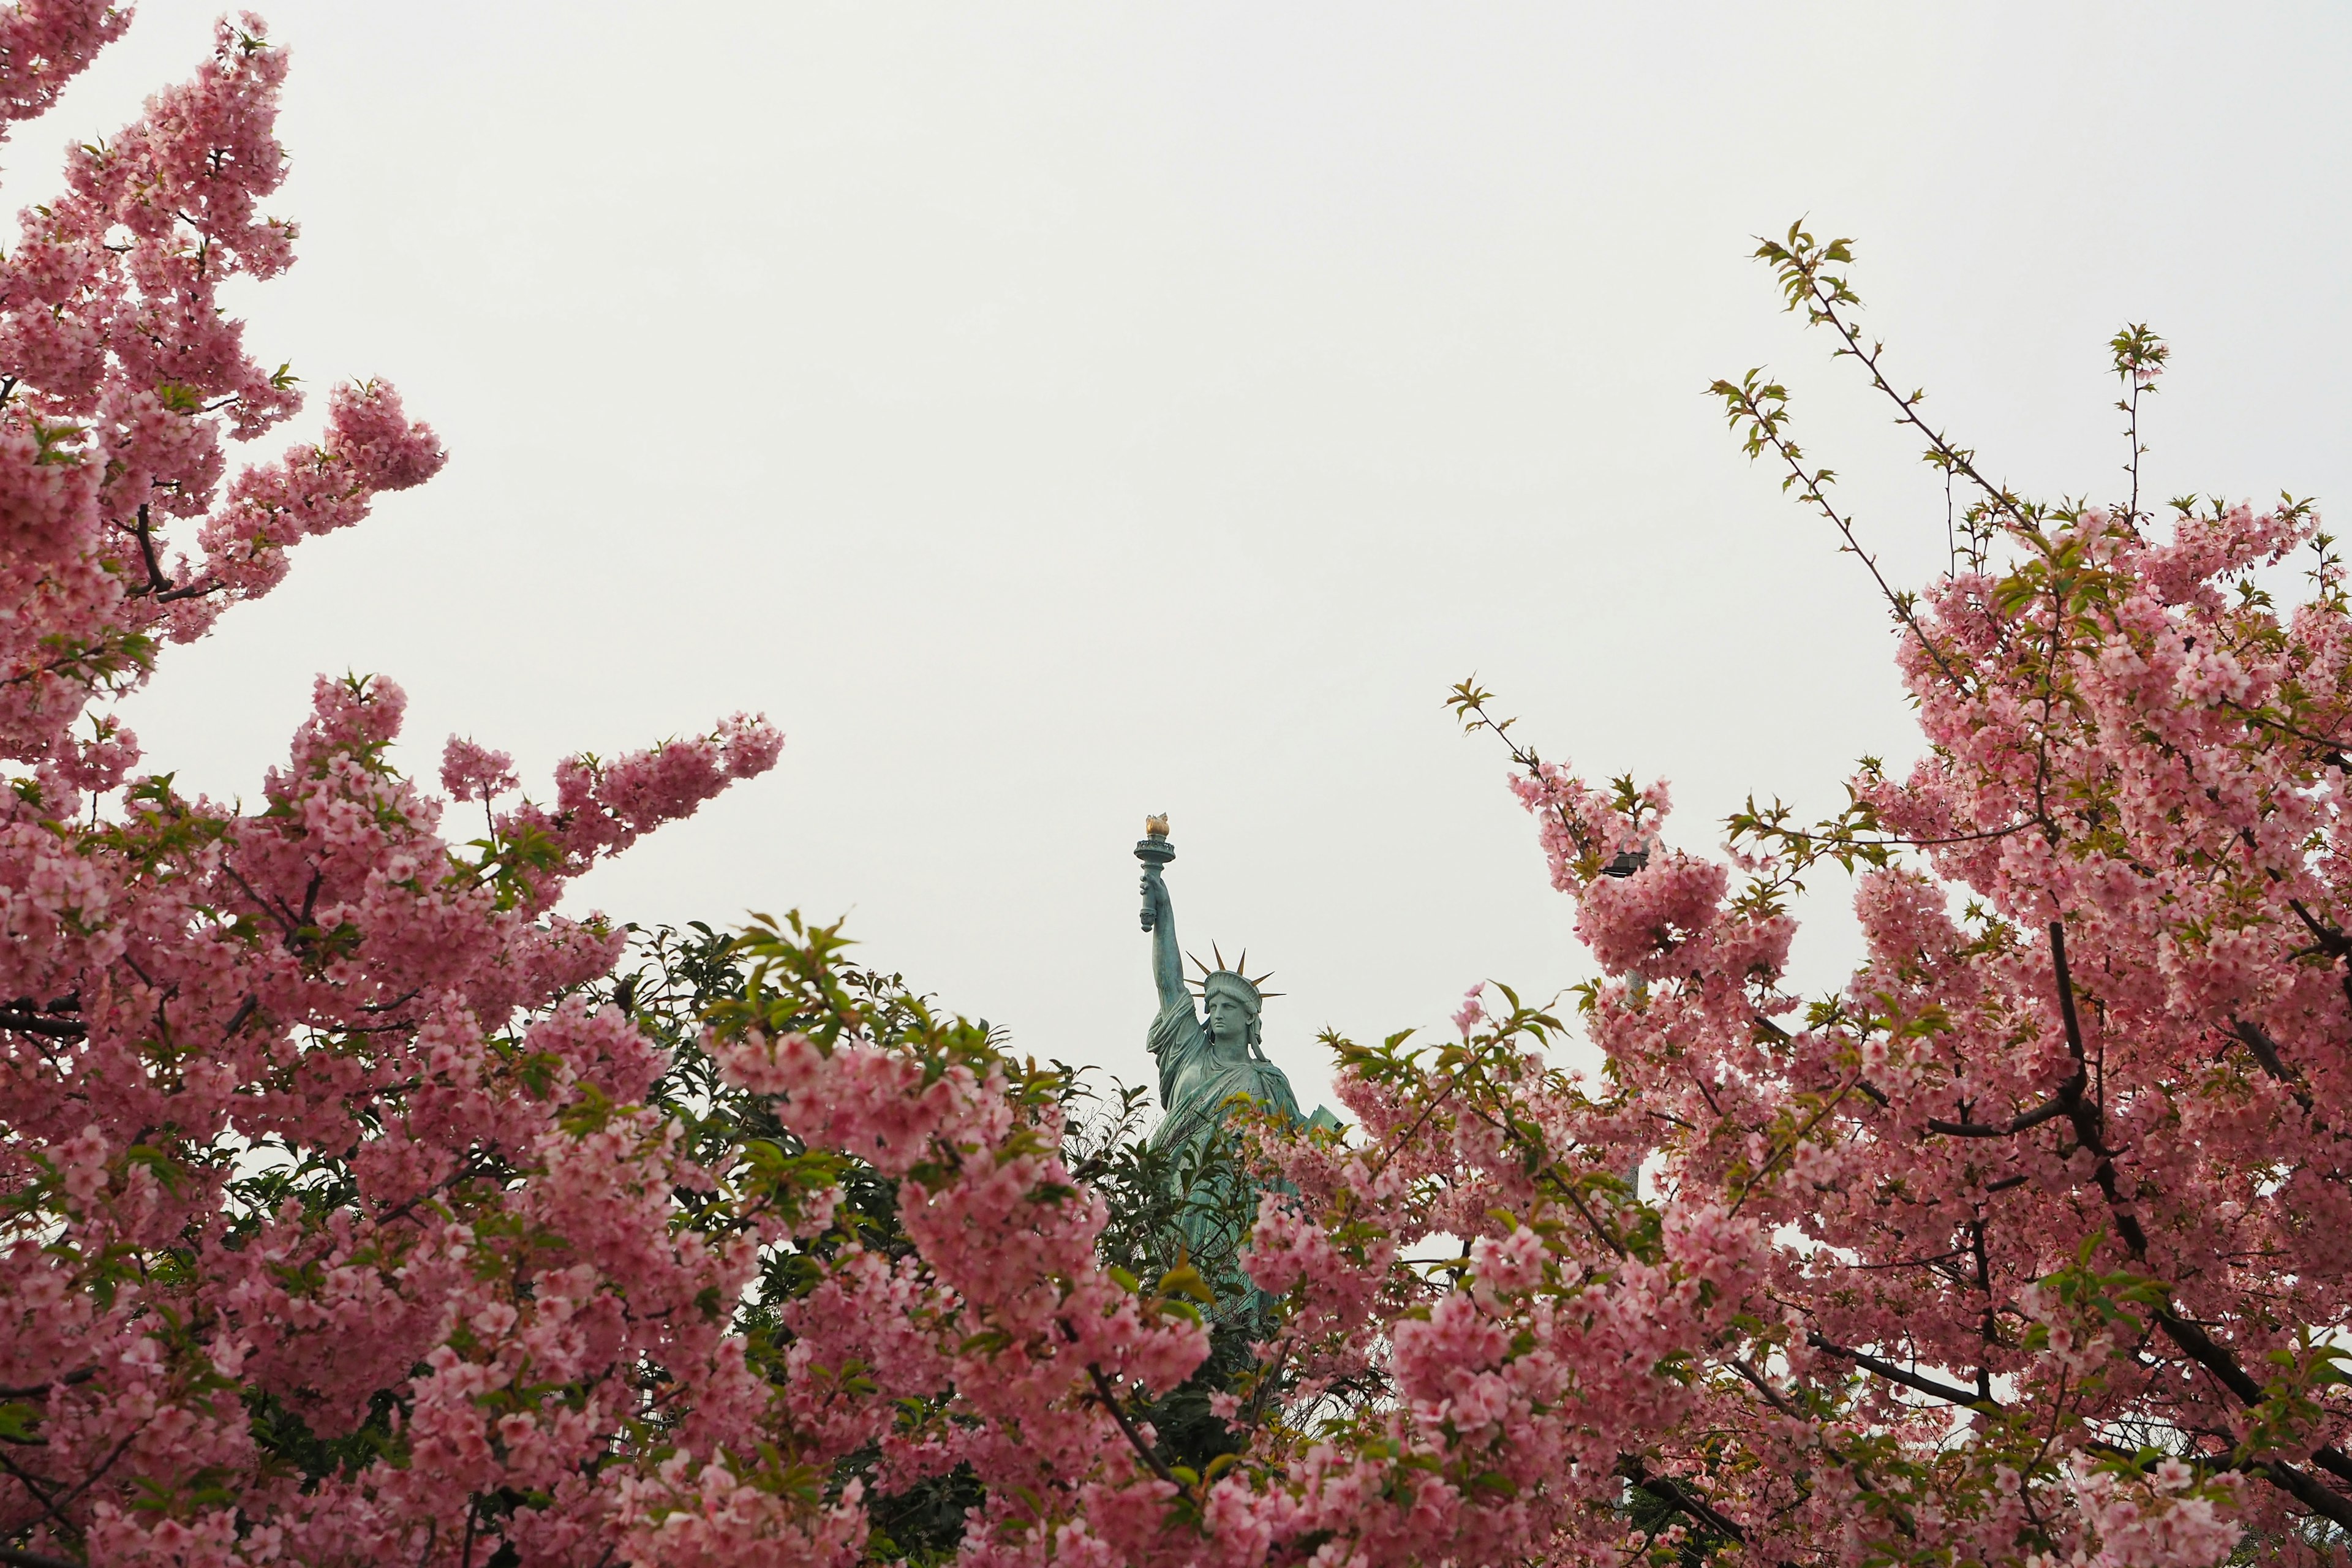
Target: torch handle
(1154, 852)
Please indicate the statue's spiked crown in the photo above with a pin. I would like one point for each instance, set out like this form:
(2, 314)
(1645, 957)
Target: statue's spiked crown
(1235, 974)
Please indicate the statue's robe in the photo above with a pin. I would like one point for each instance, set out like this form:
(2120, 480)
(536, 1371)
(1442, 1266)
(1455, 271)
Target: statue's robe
(1194, 1086)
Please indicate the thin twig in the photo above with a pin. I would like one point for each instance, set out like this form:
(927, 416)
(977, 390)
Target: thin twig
(1767, 428)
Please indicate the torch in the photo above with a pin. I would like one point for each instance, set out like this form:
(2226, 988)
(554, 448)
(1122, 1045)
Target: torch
(1154, 851)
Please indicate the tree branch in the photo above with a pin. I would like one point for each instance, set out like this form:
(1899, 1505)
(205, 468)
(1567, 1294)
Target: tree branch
(1668, 1489)
(2050, 1111)
(27, 1022)
(2191, 1338)
(1934, 1388)
(1108, 1397)
(35, 1390)
(2266, 1054)
(12, 1558)
(54, 1507)
(1764, 430)
(2329, 1505)
(1824, 310)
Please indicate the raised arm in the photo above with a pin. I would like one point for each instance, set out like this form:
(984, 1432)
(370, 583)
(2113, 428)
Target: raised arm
(1167, 958)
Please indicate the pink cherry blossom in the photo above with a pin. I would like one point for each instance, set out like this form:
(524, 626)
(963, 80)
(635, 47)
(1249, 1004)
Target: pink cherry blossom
(469, 772)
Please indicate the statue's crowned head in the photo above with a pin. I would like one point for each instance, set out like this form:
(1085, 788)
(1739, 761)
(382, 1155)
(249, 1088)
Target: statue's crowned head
(1233, 1000)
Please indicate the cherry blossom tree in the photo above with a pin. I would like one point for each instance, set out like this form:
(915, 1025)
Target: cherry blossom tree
(2024, 1247)
(350, 1216)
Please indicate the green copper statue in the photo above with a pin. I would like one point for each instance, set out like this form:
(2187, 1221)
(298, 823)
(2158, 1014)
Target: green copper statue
(1204, 1061)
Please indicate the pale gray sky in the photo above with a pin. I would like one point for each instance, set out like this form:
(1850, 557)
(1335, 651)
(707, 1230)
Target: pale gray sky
(1049, 415)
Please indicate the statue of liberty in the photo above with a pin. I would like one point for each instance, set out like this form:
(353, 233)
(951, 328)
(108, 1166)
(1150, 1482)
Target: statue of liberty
(1206, 1056)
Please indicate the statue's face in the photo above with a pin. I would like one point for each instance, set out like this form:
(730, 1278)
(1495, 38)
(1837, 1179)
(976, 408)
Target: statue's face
(1229, 1019)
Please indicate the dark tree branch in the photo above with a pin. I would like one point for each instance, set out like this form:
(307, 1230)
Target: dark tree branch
(35, 1390)
(37, 1485)
(2328, 1504)
(2266, 1055)
(1934, 1388)
(12, 1558)
(25, 1021)
(156, 582)
(54, 1508)
(1108, 1397)
(2192, 1340)
(396, 1003)
(1672, 1492)
(236, 1020)
(2049, 1111)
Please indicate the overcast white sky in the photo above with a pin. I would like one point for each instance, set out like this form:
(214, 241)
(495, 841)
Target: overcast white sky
(1050, 415)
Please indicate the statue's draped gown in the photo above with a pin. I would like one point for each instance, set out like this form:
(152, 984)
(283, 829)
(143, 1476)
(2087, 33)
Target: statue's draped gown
(1195, 1085)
